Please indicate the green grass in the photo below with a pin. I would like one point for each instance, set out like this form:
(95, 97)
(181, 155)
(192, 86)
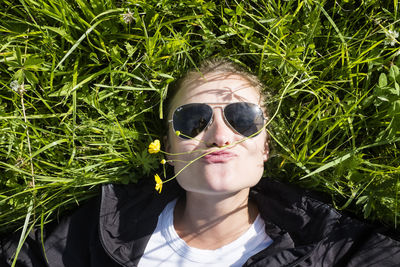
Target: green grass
(94, 82)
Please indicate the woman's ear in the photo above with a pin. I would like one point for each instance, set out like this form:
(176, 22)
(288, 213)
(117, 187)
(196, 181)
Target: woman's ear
(168, 150)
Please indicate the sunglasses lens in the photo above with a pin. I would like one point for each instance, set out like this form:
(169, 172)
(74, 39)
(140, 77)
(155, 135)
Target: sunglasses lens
(191, 119)
(245, 118)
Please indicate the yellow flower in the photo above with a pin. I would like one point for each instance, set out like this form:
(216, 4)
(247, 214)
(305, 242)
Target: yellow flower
(159, 183)
(154, 147)
(163, 161)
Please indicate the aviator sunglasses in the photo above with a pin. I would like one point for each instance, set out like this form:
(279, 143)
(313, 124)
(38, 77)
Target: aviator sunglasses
(242, 117)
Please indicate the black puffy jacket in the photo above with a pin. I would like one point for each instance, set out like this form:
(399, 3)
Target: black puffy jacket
(114, 230)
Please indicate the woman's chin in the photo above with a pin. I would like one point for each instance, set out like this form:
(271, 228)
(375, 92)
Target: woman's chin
(217, 179)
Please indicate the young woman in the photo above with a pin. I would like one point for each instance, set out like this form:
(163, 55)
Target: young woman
(218, 114)
(218, 211)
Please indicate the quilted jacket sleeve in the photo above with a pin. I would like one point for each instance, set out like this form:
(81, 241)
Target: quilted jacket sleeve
(31, 253)
(377, 250)
(72, 242)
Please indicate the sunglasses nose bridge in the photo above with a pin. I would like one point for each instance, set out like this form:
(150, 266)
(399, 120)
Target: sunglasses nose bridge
(219, 113)
(219, 128)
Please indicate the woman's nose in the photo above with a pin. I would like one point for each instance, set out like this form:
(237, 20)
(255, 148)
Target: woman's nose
(219, 134)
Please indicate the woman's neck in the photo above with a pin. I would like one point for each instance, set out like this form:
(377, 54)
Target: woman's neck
(210, 222)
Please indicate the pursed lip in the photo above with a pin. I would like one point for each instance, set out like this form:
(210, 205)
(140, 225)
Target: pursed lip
(219, 156)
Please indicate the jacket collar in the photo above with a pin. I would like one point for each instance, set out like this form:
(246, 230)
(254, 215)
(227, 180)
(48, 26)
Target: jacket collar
(295, 211)
(128, 216)
(295, 221)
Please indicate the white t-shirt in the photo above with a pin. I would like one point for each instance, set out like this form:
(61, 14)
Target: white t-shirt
(165, 248)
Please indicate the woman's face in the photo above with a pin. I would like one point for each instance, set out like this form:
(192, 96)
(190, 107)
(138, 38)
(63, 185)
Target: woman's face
(230, 169)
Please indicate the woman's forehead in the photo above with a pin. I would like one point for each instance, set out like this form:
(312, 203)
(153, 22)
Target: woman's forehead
(217, 87)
